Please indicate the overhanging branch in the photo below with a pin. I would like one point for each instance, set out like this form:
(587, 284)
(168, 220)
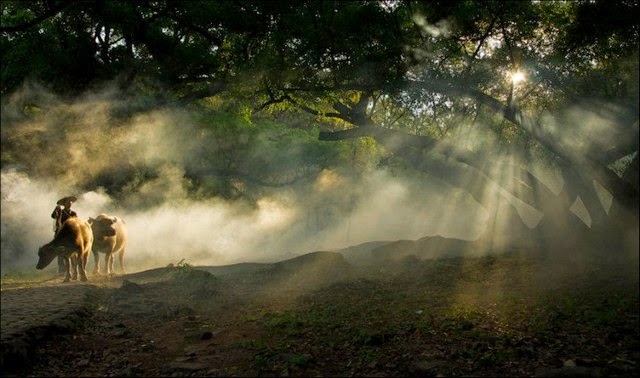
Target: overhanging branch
(307, 109)
(211, 90)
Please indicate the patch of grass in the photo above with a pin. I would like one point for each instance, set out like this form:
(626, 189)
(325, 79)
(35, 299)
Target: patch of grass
(282, 321)
(369, 337)
(285, 322)
(193, 283)
(596, 308)
(299, 360)
(18, 276)
(491, 358)
(254, 344)
(292, 364)
(370, 354)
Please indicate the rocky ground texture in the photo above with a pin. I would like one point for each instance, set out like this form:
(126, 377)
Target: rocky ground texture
(516, 314)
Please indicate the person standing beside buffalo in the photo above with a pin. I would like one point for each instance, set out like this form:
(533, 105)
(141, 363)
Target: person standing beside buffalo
(61, 213)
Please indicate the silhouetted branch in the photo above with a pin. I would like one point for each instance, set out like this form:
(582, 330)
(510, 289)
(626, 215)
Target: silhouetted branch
(211, 90)
(276, 100)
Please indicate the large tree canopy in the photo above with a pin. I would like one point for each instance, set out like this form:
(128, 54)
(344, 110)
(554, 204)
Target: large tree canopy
(549, 80)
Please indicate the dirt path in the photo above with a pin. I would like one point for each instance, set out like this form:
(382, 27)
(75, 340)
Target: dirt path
(34, 311)
(163, 322)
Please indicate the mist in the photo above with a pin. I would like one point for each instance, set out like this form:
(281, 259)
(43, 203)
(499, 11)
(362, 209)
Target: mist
(215, 232)
(64, 146)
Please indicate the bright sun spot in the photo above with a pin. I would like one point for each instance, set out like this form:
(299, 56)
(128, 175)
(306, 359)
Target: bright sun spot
(517, 77)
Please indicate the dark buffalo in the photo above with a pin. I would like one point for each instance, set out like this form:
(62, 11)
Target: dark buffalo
(73, 243)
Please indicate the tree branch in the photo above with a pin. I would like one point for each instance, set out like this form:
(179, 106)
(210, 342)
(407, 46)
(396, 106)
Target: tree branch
(211, 90)
(276, 100)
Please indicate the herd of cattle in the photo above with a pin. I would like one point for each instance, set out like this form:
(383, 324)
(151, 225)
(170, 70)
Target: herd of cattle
(76, 238)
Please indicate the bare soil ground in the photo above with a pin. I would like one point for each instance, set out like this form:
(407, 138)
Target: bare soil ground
(516, 314)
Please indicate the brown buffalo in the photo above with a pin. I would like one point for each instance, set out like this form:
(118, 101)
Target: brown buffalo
(110, 237)
(73, 243)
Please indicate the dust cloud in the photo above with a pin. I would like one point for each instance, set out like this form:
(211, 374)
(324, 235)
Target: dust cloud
(54, 147)
(217, 232)
(139, 166)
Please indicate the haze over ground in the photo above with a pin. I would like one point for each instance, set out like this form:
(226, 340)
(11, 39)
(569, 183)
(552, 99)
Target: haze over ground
(331, 210)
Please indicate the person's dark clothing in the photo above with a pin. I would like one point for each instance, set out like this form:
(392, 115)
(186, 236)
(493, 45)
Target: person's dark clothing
(64, 213)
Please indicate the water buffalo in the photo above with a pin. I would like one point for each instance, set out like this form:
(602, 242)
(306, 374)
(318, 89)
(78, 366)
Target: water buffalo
(110, 237)
(73, 243)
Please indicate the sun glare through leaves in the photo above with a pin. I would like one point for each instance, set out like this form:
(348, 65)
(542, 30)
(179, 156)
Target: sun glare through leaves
(517, 77)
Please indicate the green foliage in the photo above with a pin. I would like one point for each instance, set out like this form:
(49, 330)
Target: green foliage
(190, 45)
(189, 282)
(421, 66)
(266, 152)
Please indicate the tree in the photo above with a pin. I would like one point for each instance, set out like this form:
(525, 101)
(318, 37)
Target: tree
(415, 76)
(458, 60)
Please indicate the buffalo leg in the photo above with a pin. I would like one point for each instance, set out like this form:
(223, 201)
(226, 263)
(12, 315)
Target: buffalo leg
(112, 269)
(74, 263)
(82, 262)
(61, 268)
(67, 265)
(96, 258)
(121, 258)
(108, 262)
